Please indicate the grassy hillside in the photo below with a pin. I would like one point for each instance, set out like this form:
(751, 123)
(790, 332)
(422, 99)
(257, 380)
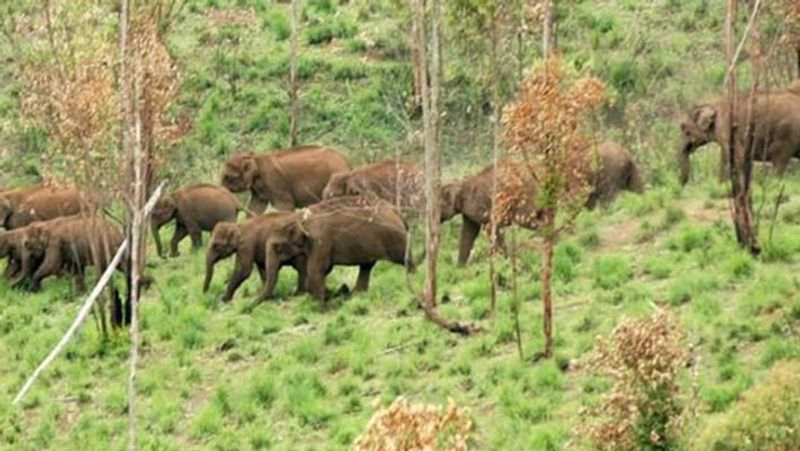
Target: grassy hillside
(291, 376)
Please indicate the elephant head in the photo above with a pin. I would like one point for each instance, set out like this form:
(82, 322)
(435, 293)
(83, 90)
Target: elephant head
(337, 186)
(223, 243)
(447, 201)
(697, 130)
(239, 172)
(287, 242)
(163, 211)
(6, 209)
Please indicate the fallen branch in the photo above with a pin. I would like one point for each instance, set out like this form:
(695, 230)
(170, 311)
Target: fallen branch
(87, 306)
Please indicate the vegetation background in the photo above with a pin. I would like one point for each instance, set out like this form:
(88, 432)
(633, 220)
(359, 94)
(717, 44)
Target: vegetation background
(289, 376)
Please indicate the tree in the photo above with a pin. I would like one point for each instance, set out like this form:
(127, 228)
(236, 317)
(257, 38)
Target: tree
(549, 163)
(740, 139)
(548, 27)
(293, 83)
(430, 72)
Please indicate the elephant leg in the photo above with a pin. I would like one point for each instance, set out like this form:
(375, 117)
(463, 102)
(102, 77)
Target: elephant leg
(469, 231)
(262, 272)
(80, 279)
(177, 237)
(51, 265)
(257, 205)
(241, 272)
(364, 271)
(300, 267)
(196, 235)
(315, 277)
(12, 268)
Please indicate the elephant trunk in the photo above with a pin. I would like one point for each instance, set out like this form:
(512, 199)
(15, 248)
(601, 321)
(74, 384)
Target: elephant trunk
(211, 260)
(156, 227)
(684, 168)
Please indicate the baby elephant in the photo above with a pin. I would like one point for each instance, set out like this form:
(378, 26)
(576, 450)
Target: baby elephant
(194, 208)
(350, 231)
(247, 240)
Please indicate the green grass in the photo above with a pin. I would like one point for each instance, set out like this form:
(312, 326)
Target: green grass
(291, 375)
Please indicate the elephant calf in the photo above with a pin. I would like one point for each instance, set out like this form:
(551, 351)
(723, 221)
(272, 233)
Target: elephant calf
(397, 181)
(349, 231)
(195, 209)
(11, 249)
(247, 240)
(287, 179)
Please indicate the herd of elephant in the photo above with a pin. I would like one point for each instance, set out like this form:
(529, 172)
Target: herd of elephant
(327, 214)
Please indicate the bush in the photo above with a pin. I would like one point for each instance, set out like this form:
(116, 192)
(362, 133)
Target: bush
(417, 426)
(767, 417)
(644, 358)
(280, 25)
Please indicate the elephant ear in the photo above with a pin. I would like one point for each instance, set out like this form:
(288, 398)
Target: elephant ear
(248, 168)
(5, 209)
(705, 117)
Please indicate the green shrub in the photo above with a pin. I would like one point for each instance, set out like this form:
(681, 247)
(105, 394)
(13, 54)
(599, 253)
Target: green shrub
(766, 418)
(279, 24)
(612, 271)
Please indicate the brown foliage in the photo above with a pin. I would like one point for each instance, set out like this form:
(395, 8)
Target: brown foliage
(70, 88)
(643, 358)
(548, 157)
(405, 427)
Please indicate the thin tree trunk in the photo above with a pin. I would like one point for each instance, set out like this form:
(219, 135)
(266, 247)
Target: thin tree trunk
(495, 37)
(739, 149)
(515, 306)
(294, 85)
(430, 114)
(548, 28)
(547, 289)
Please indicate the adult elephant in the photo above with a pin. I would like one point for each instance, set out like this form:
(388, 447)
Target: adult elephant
(12, 199)
(349, 231)
(287, 179)
(248, 240)
(616, 172)
(472, 196)
(776, 116)
(194, 209)
(397, 181)
(51, 202)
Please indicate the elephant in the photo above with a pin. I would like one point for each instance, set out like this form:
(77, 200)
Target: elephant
(68, 244)
(397, 181)
(11, 249)
(11, 199)
(472, 196)
(472, 199)
(50, 202)
(247, 240)
(287, 179)
(348, 231)
(776, 116)
(616, 171)
(195, 209)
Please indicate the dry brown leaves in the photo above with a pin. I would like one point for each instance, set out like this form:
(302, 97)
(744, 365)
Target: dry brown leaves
(244, 18)
(415, 427)
(643, 357)
(548, 157)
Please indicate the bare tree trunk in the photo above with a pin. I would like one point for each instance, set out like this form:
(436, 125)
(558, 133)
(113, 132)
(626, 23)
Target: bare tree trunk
(548, 28)
(515, 305)
(739, 148)
(497, 111)
(294, 85)
(430, 114)
(417, 53)
(547, 289)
